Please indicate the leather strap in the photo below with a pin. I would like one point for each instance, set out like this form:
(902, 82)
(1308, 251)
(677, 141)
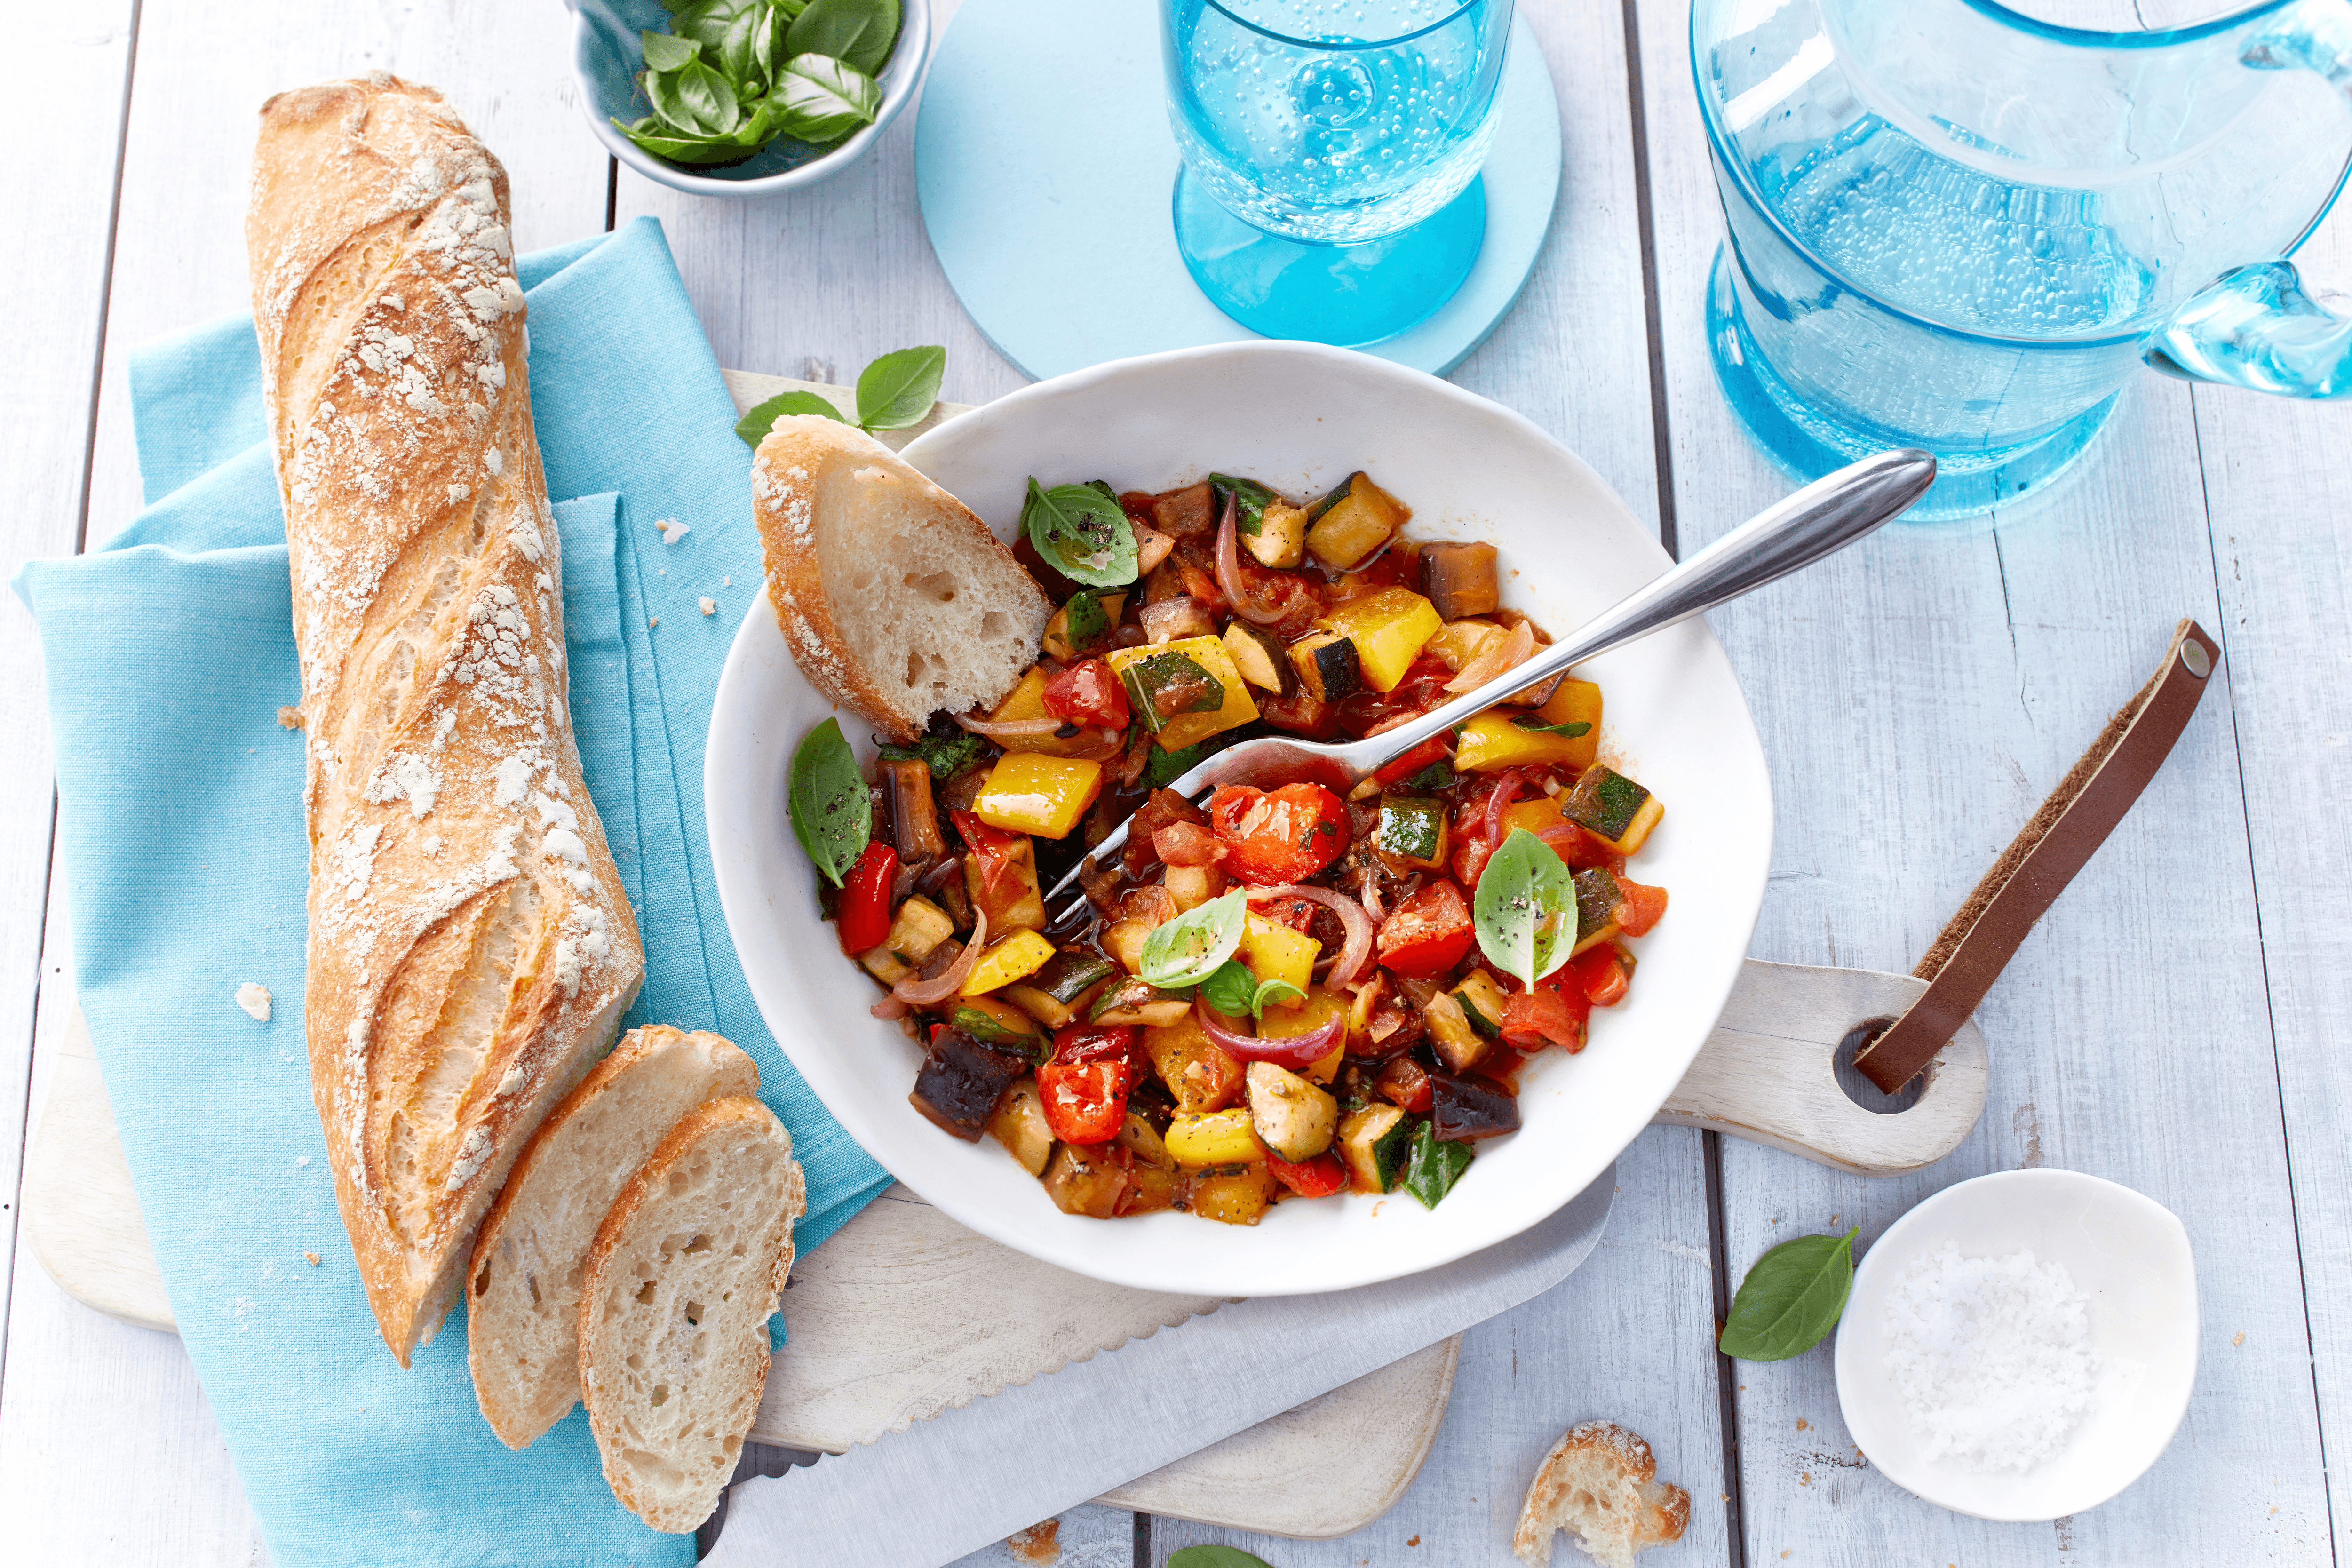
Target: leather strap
(2055, 844)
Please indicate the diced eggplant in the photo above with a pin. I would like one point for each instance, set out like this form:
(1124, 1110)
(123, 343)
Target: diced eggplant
(994, 1022)
(1466, 1108)
(1410, 834)
(1169, 619)
(1457, 1045)
(914, 819)
(1327, 664)
(1020, 1125)
(1461, 579)
(1190, 513)
(1482, 1001)
(1086, 1182)
(916, 932)
(961, 1081)
(1138, 1002)
(1596, 898)
(1259, 654)
(1192, 886)
(1292, 1117)
(1373, 1144)
(1071, 974)
(1613, 809)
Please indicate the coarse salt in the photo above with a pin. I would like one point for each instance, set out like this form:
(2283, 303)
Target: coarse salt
(1992, 1357)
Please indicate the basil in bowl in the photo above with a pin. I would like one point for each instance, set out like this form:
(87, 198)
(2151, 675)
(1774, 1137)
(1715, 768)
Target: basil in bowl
(722, 95)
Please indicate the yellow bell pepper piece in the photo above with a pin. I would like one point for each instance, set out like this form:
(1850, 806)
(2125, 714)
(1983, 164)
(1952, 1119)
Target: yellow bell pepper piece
(1204, 1138)
(1535, 815)
(1491, 742)
(1236, 1197)
(1328, 1068)
(1027, 701)
(1389, 629)
(1024, 952)
(1026, 793)
(1577, 702)
(1182, 729)
(1356, 525)
(1275, 952)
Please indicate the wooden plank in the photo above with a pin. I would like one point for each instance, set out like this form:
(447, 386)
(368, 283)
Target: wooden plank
(55, 251)
(1918, 695)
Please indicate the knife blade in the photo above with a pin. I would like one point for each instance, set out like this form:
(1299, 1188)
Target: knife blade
(966, 1478)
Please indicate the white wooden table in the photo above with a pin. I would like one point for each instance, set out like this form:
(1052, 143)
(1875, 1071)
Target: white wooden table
(2176, 1024)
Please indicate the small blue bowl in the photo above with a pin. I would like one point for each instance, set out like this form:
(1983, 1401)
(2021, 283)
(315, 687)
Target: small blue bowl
(607, 53)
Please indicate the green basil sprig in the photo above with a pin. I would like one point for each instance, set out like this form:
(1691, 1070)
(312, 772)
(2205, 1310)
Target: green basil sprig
(1216, 1557)
(833, 817)
(858, 33)
(731, 76)
(945, 755)
(1524, 907)
(1792, 1298)
(1193, 946)
(1250, 500)
(1434, 1165)
(1235, 991)
(1568, 732)
(1082, 531)
(894, 392)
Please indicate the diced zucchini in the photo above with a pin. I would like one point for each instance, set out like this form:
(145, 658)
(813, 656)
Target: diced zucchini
(1198, 1140)
(916, 932)
(1373, 1142)
(1196, 1070)
(1281, 537)
(1389, 627)
(1083, 626)
(1613, 809)
(994, 1022)
(1014, 902)
(1176, 620)
(1083, 1182)
(1461, 578)
(1596, 898)
(1327, 664)
(1576, 702)
(1186, 672)
(1292, 1117)
(1138, 1139)
(1236, 1197)
(1021, 954)
(1057, 994)
(1353, 521)
(1482, 1002)
(1138, 1002)
(1020, 1125)
(1458, 1045)
(1259, 654)
(1275, 952)
(1037, 794)
(1410, 833)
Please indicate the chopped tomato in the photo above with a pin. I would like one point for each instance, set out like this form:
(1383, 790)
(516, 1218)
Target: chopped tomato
(1188, 844)
(1297, 913)
(1302, 713)
(1201, 586)
(1405, 1082)
(1577, 849)
(1422, 689)
(1085, 1103)
(1286, 835)
(1316, 1178)
(1088, 692)
(1076, 1044)
(1429, 752)
(864, 909)
(1600, 974)
(1502, 1064)
(1428, 933)
(997, 850)
(1546, 1015)
(1470, 857)
(1641, 907)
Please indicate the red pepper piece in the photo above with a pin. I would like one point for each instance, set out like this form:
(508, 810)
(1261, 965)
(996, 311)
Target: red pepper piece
(1316, 1178)
(1431, 751)
(1600, 975)
(864, 909)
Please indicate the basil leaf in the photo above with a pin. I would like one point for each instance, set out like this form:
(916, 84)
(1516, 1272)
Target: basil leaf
(1191, 948)
(1215, 1557)
(754, 427)
(858, 32)
(666, 51)
(1086, 623)
(1272, 991)
(704, 151)
(705, 21)
(1535, 721)
(1792, 1298)
(1436, 776)
(790, 10)
(1434, 1165)
(945, 755)
(694, 98)
(1251, 500)
(1232, 989)
(739, 52)
(1517, 907)
(1163, 768)
(899, 389)
(833, 817)
(1083, 534)
(826, 99)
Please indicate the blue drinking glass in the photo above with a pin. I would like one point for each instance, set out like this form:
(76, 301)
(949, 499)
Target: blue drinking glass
(1331, 151)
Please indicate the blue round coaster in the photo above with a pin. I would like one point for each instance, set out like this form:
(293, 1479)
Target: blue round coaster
(1044, 166)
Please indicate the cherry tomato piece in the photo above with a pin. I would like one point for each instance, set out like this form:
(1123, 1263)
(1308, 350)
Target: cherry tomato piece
(1546, 1015)
(864, 910)
(1085, 1103)
(1601, 976)
(1076, 1044)
(1316, 1178)
(1641, 907)
(1428, 933)
(1088, 692)
(1187, 844)
(1285, 836)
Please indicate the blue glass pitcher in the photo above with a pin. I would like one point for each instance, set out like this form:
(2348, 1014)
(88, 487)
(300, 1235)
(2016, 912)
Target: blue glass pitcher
(1956, 227)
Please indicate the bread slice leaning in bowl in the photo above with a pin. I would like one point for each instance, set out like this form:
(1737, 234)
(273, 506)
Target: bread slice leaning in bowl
(685, 1272)
(522, 1291)
(893, 598)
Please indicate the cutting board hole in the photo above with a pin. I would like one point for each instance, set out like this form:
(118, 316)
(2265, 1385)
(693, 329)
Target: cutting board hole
(1860, 1090)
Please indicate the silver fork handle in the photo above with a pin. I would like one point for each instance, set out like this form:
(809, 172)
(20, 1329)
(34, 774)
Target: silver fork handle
(1820, 520)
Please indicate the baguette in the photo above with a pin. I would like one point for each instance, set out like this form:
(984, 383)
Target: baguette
(471, 951)
(522, 1295)
(896, 600)
(683, 1276)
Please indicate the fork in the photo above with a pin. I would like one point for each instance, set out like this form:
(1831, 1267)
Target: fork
(1821, 519)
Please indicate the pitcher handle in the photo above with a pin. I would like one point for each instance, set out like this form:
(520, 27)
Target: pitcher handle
(2254, 326)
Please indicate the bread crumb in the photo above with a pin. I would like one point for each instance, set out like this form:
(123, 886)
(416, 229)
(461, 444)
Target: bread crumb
(726, 582)
(1804, 1478)
(653, 623)
(1412, 1541)
(290, 717)
(1802, 1422)
(671, 530)
(1038, 1545)
(710, 605)
(2239, 1338)
(311, 1259)
(255, 1000)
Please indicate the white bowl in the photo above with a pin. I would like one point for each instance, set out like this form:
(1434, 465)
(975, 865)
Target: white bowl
(1299, 416)
(607, 53)
(2127, 1253)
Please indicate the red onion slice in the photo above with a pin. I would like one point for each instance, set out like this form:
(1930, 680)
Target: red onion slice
(1228, 572)
(997, 731)
(889, 1009)
(923, 992)
(1507, 790)
(1359, 924)
(1509, 654)
(1295, 1052)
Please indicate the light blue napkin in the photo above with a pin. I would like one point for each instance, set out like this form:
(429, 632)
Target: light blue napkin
(168, 656)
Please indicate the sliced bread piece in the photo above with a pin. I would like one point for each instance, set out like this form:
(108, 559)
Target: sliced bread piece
(681, 1280)
(522, 1292)
(1600, 1480)
(896, 600)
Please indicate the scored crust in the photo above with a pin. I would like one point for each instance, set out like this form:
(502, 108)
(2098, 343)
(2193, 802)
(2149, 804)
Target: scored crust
(1599, 1481)
(895, 599)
